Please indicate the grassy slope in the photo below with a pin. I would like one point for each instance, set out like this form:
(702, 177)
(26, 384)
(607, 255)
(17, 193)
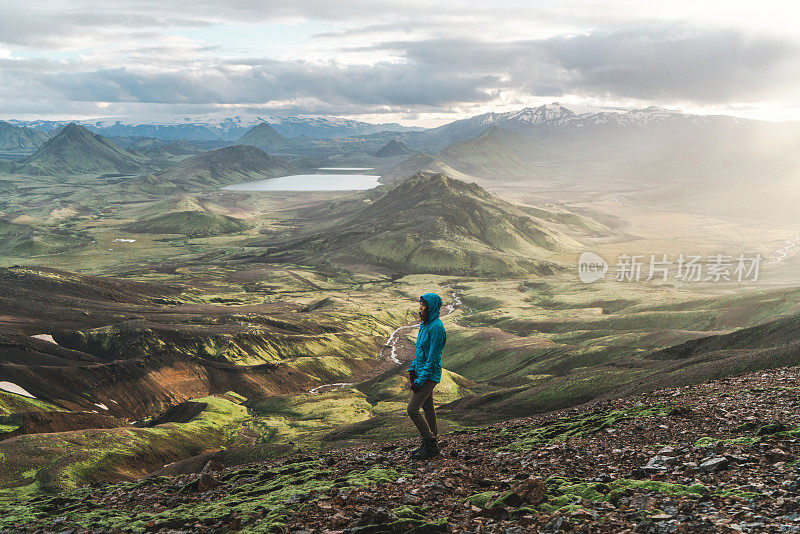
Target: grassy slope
(65, 460)
(25, 240)
(551, 345)
(12, 403)
(436, 224)
(189, 223)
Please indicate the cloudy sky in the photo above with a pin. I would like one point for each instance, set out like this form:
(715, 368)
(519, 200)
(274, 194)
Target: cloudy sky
(403, 60)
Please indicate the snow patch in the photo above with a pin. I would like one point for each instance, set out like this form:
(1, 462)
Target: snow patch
(124, 241)
(46, 337)
(13, 388)
(101, 406)
(336, 385)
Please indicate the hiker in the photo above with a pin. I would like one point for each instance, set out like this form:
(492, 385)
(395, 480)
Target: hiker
(425, 372)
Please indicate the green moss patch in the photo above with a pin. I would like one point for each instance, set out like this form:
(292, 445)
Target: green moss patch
(373, 475)
(253, 499)
(709, 441)
(580, 425)
(12, 403)
(565, 492)
(409, 512)
(8, 427)
(742, 494)
(482, 499)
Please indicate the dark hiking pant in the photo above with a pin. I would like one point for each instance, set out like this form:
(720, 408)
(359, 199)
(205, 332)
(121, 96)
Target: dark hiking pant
(424, 398)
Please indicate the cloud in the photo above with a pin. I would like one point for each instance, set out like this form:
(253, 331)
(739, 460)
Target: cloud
(675, 64)
(393, 85)
(378, 57)
(647, 63)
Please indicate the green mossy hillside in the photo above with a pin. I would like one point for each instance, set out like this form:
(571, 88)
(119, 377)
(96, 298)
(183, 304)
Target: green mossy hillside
(189, 223)
(34, 463)
(76, 150)
(11, 403)
(436, 224)
(24, 240)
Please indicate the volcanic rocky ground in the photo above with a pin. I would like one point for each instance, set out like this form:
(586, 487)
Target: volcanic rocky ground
(716, 457)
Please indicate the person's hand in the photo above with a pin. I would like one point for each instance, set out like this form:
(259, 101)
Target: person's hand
(415, 387)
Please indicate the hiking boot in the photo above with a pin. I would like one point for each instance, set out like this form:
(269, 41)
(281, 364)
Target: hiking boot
(429, 450)
(415, 453)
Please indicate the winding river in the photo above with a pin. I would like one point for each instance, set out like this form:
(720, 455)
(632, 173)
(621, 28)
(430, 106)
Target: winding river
(391, 344)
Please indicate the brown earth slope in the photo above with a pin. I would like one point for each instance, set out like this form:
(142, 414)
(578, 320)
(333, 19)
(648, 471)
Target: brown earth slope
(139, 348)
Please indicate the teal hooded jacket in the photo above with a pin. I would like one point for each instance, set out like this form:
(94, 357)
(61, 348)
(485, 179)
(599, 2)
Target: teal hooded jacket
(427, 362)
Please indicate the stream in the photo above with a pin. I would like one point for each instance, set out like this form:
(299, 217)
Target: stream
(392, 341)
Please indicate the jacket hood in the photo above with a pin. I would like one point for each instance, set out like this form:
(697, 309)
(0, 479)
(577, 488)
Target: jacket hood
(434, 302)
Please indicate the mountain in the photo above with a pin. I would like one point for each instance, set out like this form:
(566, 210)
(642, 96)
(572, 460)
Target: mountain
(220, 167)
(76, 150)
(420, 163)
(554, 121)
(393, 148)
(191, 223)
(159, 149)
(493, 152)
(184, 215)
(226, 129)
(435, 224)
(551, 117)
(263, 135)
(327, 127)
(19, 137)
(707, 160)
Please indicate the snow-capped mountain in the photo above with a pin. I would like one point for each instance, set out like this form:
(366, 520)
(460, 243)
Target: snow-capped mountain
(226, 128)
(548, 120)
(552, 117)
(555, 119)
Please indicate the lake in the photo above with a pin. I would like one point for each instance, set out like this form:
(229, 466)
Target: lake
(346, 169)
(310, 182)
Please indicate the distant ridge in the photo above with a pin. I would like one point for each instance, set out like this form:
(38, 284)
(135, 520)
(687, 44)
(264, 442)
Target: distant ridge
(420, 162)
(393, 148)
(76, 150)
(19, 137)
(493, 152)
(217, 168)
(263, 135)
(229, 129)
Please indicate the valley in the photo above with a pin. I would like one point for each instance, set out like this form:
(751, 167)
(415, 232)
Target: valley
(159, 320)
